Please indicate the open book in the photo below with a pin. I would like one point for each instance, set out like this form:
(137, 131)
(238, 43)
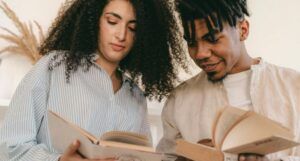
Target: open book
(110, 144)
(237, 131)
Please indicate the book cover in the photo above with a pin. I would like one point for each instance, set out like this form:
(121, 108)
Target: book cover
(237, 131)
(111, 144)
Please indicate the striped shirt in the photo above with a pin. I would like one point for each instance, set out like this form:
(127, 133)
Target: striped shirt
(88, 100)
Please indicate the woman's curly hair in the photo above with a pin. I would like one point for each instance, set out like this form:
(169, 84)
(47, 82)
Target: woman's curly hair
(153, 60)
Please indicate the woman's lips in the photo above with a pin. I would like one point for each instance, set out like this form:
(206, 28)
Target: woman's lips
(117, 47)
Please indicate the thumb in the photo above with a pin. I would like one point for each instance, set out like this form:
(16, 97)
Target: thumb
(72, 148)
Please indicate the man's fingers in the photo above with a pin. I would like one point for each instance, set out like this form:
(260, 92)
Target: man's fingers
(250, 157)
(72, 148)
(242, 158)
(107, 159)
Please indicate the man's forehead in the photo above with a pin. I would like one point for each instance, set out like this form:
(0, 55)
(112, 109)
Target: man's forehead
(201, 26)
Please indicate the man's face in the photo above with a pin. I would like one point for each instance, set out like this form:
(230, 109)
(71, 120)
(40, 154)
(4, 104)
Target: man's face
(222, 55)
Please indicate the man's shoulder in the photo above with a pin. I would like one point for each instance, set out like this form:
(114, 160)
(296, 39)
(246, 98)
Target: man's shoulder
(194, 86)
(281, 71)
(192, 83)
(278, 74)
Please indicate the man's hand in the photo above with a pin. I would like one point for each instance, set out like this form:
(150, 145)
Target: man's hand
(252, 157)
(71, 154)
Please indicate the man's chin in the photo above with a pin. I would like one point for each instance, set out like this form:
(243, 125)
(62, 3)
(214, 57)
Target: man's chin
(214, 78)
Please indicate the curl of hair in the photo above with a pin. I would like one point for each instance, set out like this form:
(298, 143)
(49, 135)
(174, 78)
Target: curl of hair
(151, 61)
(215, 13)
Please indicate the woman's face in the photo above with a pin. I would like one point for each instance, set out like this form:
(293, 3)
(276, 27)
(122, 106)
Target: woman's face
(117, 30)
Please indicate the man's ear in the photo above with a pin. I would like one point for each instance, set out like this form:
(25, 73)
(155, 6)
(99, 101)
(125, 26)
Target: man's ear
(244, 29)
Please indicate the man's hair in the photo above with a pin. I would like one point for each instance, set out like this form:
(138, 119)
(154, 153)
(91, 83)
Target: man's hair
(214, 12)
(151, 60)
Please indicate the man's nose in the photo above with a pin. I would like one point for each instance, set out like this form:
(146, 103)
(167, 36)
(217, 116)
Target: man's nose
(202, 52)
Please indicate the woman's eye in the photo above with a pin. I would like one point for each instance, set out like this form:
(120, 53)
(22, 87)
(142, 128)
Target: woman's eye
(111, 22)
(132, 29)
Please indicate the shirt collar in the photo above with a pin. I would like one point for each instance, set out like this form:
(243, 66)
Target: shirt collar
(125, 75)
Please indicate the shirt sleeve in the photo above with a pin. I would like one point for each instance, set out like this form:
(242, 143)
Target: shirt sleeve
(145, 129)
(288, 86)
(293, 86)
(18, 135)
(170, 132)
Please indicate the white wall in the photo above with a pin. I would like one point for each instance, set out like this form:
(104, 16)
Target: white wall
(13, 67)
(274, 36)
(275, 31)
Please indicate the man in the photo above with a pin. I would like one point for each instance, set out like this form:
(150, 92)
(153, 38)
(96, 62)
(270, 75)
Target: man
(215, 32)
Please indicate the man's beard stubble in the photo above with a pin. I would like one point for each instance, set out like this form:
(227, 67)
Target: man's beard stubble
(210, 76)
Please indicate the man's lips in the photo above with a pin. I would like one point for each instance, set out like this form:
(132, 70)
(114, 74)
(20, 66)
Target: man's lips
(209, 67)
(117, 47)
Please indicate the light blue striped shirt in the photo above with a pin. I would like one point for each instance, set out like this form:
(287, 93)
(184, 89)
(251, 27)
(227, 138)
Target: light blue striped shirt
(88, 100)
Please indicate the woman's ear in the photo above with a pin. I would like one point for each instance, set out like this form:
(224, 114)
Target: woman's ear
(244, 29)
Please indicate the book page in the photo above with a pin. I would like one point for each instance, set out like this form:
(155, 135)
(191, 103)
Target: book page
(127, 146)
(101, 152)
(252, 129)
(227, 119)
(126, 137)
(214, 126)
(63, 133)
(197, 152)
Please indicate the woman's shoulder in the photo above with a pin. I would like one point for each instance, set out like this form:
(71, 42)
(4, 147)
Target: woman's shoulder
(43, 65)
(51, 57)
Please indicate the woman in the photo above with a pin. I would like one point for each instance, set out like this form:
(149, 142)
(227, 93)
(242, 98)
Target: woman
(95, 55)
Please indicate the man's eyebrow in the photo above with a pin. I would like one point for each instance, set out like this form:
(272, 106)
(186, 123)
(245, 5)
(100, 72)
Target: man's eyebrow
(119, 17)
(211, 33)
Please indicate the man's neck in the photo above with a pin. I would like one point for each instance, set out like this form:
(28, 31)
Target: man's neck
(244, 63)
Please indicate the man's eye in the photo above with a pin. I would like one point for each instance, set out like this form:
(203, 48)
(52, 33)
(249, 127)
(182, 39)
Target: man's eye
(191, 43)
(212, 39)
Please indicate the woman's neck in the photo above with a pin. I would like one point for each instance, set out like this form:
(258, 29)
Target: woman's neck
(111, 70)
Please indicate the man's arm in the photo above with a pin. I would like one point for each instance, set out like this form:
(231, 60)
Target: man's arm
(170, 132)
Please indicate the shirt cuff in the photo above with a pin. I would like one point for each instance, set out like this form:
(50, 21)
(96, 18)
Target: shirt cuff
(54, 157)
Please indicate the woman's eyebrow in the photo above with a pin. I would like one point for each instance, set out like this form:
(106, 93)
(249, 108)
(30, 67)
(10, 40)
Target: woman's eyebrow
(119, 17)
